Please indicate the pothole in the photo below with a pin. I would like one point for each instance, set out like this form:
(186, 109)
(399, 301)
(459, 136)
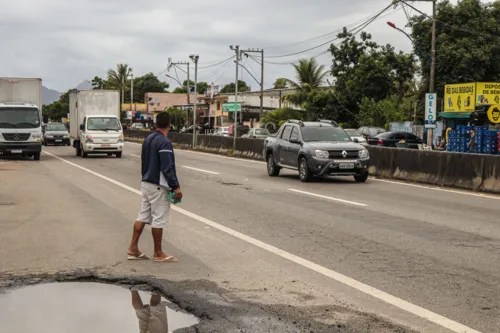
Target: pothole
(89, 307)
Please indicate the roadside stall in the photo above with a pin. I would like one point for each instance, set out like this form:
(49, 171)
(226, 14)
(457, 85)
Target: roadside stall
(472, 113)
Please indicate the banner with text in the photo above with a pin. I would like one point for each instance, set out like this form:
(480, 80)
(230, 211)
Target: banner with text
(459, 97)
(488, 93)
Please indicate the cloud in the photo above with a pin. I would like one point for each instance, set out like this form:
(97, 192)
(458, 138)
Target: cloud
(65, 41)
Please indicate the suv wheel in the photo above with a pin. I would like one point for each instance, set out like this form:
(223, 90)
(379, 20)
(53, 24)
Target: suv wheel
(361, 178)
(272, 169)
(304, 172)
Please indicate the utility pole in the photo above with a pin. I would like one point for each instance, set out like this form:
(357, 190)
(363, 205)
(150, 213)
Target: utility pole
(177, 64)
(261, 83)
(131, 89)
(235, 130)
(432, 76)
(195, 59)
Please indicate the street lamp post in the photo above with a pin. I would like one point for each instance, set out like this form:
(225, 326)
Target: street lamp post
(195, 59)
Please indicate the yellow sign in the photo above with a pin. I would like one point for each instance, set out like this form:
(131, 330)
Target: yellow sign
(488, 93)
(494, 114)
(459, 97)
(141, 107)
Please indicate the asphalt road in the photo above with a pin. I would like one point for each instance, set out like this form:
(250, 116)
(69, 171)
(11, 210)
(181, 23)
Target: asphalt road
(414, 256)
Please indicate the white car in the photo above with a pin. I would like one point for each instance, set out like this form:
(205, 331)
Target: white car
(222, 131)
(354, 134)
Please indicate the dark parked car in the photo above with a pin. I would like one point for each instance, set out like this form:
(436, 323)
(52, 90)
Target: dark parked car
(370, 133)
(399, 139)
(55, 134)
(315, 149)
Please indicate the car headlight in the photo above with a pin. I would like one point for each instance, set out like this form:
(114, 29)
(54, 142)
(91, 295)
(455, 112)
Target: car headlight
(364, 153)
(89, 139)
(120, 138)
(36, 136)
(66, 136)
(322, 153)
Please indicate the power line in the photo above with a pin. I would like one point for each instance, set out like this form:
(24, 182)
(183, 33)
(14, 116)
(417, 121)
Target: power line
(362, 26)
(213, 65)
(472, 32)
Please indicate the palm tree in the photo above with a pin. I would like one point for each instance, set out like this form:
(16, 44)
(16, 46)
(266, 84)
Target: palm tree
(310, 76)
(117, 79)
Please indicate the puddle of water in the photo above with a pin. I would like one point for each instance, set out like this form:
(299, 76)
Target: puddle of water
(88, 307)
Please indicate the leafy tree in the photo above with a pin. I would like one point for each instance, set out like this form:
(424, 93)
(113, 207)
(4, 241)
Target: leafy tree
(468, 43)
(146, 83)
(381, 113)
(65, 97)
(309, 76)
(363, 68)
(179, 90)
(231, 88)
(280, 83)
(177, 116)
(117, 79)
(327, 104)
(201, 87)
(99, 83)
(56, 110)
(279, 116)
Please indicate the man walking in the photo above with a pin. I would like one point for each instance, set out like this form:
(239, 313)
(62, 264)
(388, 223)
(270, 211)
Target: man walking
(159, 178)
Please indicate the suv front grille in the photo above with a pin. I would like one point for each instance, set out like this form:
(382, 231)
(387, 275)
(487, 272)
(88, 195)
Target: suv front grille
(338, 154)
(16, 136)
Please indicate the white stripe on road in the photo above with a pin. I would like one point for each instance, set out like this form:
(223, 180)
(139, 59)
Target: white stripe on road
(201, 170)
(379, 294)
(464, 192)
(135, 155)
(329, 198)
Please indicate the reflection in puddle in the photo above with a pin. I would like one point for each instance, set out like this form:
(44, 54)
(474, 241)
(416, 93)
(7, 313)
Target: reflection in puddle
(88, 307)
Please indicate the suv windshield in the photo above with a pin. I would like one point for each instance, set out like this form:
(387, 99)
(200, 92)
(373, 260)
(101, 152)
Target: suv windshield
(324, 133)
(56, 128)
(19, 118)
(103, 124)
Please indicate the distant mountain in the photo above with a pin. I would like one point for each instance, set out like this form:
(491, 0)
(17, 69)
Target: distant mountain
(85, 85)
(49, 96)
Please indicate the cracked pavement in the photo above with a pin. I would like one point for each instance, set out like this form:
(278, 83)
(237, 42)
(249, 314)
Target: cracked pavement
(437, 250)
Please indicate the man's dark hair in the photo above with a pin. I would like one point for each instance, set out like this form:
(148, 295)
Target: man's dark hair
(163, 120)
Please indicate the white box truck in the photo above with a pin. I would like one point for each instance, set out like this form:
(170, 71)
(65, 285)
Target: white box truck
(95, 127)
(21, 116)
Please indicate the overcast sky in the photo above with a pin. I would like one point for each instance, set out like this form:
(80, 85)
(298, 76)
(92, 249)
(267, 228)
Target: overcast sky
(66, 41)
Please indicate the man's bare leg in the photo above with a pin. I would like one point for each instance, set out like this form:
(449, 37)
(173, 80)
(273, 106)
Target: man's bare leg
(133, 250)
(157, 239)
(136, 300)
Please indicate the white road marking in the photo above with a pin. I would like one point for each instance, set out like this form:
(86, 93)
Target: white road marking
(201, 170)
(135, 155)
(464, 192)
(364, 288)
(329, 198)
(429, 187)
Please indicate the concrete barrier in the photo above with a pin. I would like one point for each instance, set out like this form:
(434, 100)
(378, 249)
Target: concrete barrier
(466, 171)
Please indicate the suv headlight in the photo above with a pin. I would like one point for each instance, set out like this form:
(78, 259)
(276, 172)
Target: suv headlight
(364, 153)
(322, 153)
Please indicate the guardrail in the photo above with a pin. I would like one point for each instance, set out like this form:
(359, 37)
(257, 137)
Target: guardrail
(461, 170)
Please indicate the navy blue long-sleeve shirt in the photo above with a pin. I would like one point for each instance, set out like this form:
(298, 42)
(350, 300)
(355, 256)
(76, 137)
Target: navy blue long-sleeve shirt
(158, 161)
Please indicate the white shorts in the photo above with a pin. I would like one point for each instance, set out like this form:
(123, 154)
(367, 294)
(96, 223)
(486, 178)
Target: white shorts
(152, 319)
(155, 207)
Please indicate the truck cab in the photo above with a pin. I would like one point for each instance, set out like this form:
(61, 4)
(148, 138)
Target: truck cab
(100, 134)
(20, 129)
